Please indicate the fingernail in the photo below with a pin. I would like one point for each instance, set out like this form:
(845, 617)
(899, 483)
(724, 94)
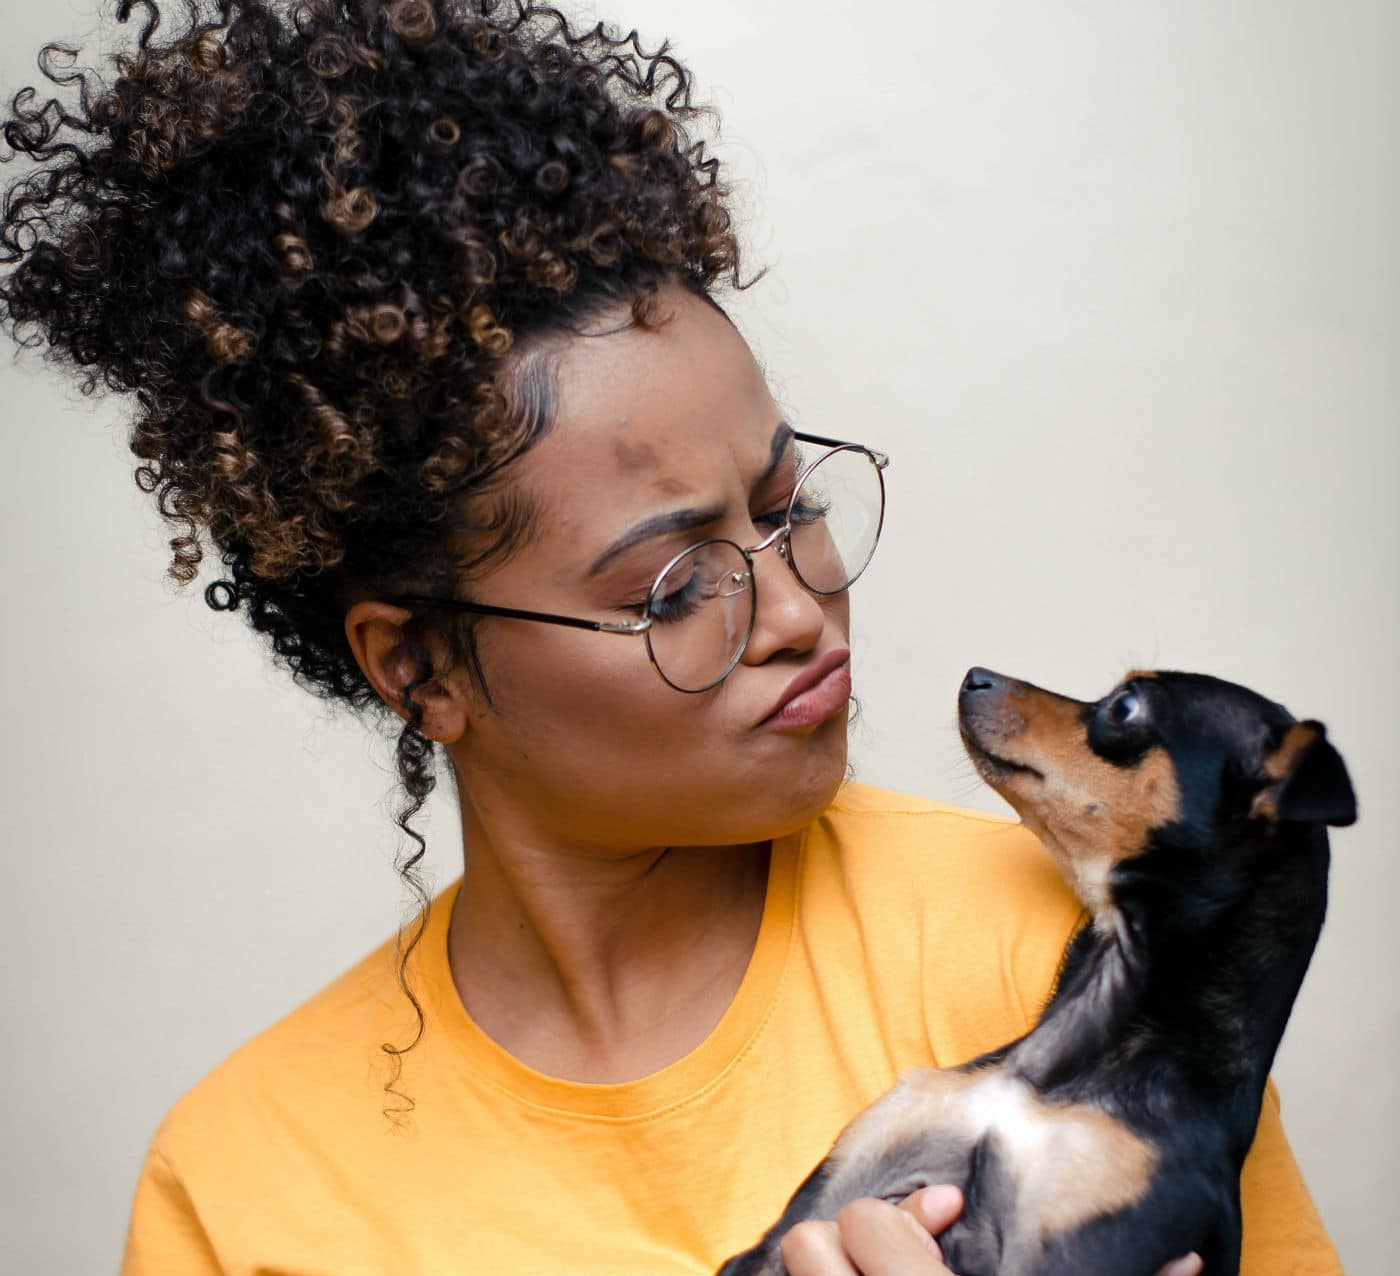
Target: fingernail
(1191, 1265)
(940, 1198)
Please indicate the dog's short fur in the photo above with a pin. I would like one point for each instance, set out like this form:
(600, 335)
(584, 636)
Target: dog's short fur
(1188, 813)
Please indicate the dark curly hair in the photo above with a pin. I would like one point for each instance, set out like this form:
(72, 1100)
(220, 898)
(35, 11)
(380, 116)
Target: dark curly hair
(317, 242)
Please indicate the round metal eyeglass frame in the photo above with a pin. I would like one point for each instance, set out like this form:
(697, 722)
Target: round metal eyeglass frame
(780, 538)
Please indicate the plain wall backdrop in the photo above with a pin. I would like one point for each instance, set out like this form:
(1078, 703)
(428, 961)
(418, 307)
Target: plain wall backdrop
(1114, 283)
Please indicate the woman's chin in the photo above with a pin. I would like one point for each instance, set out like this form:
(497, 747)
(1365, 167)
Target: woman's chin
(803, 784)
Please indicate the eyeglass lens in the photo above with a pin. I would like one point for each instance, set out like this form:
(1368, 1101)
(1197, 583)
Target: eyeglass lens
(703, 606)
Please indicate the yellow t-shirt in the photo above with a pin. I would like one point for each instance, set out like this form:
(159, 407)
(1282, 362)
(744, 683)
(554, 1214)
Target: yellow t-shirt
(896, 932)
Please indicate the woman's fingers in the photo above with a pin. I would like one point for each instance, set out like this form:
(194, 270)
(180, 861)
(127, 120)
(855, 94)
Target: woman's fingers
(875, 1238)
(936, 1207)
(814, 1248)
(884, 1240)
(1191, 1265)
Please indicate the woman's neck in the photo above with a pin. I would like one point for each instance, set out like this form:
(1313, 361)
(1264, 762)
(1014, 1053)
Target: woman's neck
(599, 968)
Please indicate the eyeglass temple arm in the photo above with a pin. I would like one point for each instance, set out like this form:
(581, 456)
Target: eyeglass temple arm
(482, 609)
(881, 459)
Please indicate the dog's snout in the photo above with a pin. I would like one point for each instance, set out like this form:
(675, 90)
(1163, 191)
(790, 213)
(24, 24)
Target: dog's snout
(979, 680)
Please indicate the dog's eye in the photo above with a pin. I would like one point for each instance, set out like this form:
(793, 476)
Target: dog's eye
(1126, 707)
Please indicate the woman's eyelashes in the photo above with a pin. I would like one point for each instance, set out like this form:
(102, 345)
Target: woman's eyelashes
(810, 509)
(678, 603)
(775, 518)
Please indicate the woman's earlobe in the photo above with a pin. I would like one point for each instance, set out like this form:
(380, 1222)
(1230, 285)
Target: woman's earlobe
(402, 667)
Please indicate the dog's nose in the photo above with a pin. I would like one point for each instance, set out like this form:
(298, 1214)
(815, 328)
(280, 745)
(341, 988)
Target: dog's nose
(979, 679)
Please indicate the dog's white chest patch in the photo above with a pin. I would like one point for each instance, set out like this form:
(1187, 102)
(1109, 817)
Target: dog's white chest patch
(1067, 1162)
(1008, 1108)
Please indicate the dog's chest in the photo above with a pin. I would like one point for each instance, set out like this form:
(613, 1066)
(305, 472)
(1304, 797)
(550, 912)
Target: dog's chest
(1056, 1165)
(1026, 1131)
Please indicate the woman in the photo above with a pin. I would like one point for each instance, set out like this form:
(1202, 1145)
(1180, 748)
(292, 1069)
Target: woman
(416, 301)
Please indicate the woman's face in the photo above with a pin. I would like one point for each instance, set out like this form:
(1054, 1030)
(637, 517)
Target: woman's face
(586, 743)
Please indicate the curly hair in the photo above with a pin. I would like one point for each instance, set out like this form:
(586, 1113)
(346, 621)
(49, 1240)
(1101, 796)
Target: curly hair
(316, 242)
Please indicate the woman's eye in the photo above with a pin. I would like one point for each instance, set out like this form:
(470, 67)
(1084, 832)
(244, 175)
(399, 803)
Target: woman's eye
(677, 604)
(1128, 707)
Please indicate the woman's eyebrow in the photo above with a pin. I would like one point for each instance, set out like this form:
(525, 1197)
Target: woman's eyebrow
(681, 520)
(777, 449)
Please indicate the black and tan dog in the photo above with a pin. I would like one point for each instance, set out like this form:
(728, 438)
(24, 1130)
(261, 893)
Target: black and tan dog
(1188, 814)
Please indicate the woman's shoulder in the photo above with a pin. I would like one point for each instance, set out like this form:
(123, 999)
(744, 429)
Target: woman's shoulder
(903, 837)
(300, 1069)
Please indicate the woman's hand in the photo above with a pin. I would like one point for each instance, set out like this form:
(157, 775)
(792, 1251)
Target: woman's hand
(875, 1238)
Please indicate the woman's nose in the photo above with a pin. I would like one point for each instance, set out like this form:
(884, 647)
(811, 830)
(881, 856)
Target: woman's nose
(787, 615)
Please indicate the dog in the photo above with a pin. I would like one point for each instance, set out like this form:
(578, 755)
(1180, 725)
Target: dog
(1189, 814)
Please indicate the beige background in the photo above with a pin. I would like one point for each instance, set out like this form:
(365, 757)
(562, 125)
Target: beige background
(1116, 286)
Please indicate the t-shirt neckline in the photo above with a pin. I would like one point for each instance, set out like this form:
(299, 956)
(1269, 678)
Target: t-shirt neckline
(479, 1058)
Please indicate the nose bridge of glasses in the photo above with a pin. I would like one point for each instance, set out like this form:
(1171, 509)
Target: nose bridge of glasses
(790, 584)
(780, 539)
(778, 536)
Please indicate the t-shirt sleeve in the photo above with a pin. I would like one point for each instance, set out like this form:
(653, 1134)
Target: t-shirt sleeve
(1283, 1234)
(165, 1234)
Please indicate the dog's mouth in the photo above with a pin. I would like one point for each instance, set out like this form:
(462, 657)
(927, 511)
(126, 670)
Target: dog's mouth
(988, 762)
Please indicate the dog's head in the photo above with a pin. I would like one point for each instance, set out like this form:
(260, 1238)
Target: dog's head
(1186, 766)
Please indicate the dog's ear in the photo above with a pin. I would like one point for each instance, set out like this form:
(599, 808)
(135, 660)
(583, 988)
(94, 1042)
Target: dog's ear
(1305, 779)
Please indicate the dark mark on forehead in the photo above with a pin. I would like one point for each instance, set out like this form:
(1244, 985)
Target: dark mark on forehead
(632, 457)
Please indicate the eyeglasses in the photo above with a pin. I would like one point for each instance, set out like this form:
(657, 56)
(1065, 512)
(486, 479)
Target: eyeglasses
(700, 610)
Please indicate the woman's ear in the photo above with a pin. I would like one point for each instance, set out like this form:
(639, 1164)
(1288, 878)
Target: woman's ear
(386, 656)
